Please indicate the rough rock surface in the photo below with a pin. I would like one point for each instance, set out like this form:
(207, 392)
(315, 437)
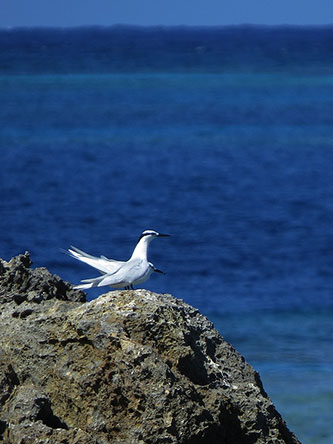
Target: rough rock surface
(130, 367)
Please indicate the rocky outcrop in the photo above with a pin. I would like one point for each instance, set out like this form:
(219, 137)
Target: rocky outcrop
(129, 367)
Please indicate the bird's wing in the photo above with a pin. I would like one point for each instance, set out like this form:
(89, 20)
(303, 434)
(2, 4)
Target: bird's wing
(92, 282)
(127, 273)
(102, 264)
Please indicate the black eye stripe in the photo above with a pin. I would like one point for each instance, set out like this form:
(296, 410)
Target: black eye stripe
(146, 234)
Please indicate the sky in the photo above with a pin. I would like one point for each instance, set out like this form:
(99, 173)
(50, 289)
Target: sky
(164, 12)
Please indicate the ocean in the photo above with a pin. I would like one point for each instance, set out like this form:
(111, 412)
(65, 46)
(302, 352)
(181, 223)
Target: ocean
(222, 137)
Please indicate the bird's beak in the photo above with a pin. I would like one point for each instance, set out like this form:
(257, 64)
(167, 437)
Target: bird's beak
(158, 271)
(163, 235)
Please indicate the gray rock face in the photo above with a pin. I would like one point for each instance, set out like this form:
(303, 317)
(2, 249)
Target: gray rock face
(129, 367)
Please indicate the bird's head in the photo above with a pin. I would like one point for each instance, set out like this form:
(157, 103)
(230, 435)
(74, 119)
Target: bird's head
(151, 234)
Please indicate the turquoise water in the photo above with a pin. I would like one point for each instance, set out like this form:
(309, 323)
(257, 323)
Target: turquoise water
(298, 379)
(222, 141)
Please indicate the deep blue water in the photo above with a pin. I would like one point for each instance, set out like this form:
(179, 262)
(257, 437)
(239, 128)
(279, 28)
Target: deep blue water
(222, 137)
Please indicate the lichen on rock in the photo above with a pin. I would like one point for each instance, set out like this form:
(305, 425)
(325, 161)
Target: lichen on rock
(129, 367)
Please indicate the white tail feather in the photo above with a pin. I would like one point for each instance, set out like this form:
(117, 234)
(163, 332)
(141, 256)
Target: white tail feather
(83, 286)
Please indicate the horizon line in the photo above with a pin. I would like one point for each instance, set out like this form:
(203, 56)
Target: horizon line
(160, 26)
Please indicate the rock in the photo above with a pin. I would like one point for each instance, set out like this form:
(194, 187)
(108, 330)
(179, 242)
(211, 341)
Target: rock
(130, 367)
(19, 282)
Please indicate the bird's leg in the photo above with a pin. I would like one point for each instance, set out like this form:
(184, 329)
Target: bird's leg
(127, 287)
(132, 288)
